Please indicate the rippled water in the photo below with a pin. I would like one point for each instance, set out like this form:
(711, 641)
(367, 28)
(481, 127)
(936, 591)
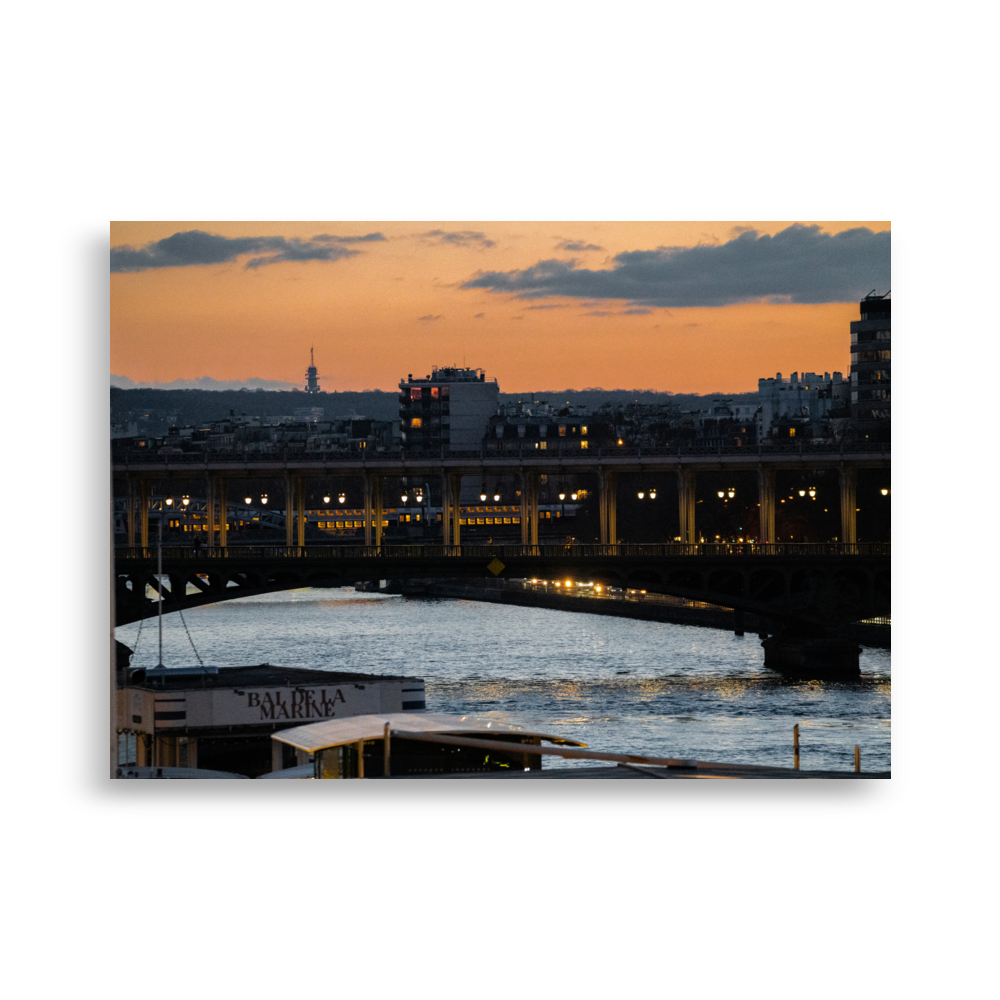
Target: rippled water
(615, 683)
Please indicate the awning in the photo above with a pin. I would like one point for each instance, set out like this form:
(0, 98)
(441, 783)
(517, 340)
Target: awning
(338, 732)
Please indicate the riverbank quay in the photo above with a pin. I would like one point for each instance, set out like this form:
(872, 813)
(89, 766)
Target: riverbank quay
(627, 772)
(645, 607)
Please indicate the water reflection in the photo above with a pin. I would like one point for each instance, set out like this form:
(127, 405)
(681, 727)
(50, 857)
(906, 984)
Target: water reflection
(615, 683)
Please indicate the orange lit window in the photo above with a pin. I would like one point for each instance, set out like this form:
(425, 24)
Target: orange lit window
(791, 432)
(583, 430)
(562, 430)
(584, 444)
(415, 393)
(434, 394)
(415, 422)
(543, 445)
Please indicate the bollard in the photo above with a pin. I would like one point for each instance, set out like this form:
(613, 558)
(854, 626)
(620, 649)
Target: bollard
(795, 744)
(857, 759)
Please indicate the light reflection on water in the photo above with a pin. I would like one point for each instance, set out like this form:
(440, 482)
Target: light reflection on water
(615, 683)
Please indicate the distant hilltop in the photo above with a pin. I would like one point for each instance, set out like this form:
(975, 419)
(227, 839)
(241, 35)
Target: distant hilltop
(161, 407)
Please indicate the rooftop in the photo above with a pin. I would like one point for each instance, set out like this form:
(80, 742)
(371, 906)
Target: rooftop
(262, 675)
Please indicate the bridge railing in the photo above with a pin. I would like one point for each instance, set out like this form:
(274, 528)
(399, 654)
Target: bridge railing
(558, 450)
(487, 552)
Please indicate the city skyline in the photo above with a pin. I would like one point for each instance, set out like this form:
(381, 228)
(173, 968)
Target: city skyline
(682, 307)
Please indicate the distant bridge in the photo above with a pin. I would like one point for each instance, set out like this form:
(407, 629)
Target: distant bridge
(822, 585)
(140, 471)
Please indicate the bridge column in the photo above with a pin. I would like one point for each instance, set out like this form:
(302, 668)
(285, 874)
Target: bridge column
(289, 510)
(300, 497)
(210, 512)
(531, 490)
(765, 485)
(445, 510)
(525, 510)
(223, 511)
(608, 491)
(686, 483)
(368, 508)
(848, 504)
(130, 528)
(456, 508)
(377, 508)
(144, 512)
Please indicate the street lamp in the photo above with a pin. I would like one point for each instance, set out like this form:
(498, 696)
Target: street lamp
(573, 496)
(641, 494)
(802, 493)
(722, 493)
(496, 497)
(170, 501)
(482, 496)
(732, 493)
(263, 498)
(652, 494)
(562, 496)
(248, 500)
(404, 498)
(186, 500)
(341, 499)
(812, 492)
(885, 492)
(326, 498)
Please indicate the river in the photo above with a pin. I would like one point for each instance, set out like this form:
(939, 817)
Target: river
(614, 683)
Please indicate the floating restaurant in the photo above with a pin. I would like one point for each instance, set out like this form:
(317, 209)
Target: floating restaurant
(222, 718)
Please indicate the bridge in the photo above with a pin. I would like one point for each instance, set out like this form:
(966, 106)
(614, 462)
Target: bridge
(820, 586)
(140, 472)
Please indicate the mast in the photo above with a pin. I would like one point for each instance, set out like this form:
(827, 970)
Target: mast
(159, 584)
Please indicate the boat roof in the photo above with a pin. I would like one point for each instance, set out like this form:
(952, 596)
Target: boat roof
(338, 732)
(259, 675)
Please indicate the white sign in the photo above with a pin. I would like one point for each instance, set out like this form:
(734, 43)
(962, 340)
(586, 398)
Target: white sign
(253, 706)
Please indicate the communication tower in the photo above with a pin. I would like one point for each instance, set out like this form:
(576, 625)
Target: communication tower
(312, 379)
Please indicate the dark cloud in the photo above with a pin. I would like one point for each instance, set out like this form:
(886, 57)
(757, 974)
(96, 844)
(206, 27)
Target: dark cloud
(462, 238)
(479, 315)
(596, 313)
(637, 312)
(196, 247)
(576, 245)
(367, 238)
(430, 317)
(548, 307)
(798, 264)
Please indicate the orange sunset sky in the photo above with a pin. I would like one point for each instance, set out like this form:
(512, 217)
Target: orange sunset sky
(685, 307)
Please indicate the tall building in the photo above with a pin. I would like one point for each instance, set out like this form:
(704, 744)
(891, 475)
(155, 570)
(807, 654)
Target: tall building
(450, 408)
(312, 379)
(870, 367)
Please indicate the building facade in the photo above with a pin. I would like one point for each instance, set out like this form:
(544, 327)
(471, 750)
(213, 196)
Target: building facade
(871, 342)
(798, 405)
(450, 409)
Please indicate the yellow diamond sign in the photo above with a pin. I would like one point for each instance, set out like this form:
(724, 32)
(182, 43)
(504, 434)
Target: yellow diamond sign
(495, 566)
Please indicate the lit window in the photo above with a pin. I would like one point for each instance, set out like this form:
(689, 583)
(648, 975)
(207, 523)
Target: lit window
(791, 432)
(562, 430)
(415, 422)
(583, 429)
(543, 445)
(415, 393)
(583, 444)
(434, 394)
